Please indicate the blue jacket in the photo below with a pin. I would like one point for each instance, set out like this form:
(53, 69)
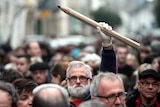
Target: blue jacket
(108, 61)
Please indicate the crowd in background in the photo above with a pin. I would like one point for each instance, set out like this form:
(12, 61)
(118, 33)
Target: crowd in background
(35, 63)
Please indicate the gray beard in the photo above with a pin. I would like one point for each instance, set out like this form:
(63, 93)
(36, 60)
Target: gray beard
(78, 93)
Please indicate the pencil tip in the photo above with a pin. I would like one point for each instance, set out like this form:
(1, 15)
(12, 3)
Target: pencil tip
(59, 6)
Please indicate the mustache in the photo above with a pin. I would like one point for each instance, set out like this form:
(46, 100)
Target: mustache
(78, 85)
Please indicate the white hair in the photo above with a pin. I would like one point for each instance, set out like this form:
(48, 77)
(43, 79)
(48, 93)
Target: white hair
(79, 64)
(97, 79)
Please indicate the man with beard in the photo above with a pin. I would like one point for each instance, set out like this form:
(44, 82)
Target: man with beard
(147, 94)
(78, 77)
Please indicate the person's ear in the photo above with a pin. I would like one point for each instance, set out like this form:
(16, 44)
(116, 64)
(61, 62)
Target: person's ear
(138, 85)
(58, 76)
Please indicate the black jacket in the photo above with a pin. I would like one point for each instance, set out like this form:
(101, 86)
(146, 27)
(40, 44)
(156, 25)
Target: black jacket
(132, 97)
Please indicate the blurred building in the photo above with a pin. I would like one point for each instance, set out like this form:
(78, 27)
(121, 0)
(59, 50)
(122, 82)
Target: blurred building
(20, 18)
(53, 22)
(137, 16)
(16, 20)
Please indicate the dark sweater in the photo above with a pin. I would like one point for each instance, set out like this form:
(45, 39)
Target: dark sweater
(108, 61)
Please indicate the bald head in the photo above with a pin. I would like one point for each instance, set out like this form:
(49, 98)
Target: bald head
(50, 95)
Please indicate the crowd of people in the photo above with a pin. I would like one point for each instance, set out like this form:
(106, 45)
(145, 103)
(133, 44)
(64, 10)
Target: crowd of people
(107, 73)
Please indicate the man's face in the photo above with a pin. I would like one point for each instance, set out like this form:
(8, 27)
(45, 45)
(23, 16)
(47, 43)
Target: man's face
(5, 100)
(22, 65)
(35, 49)
(113, 91)
(121, 53)
(40, 76)
(149, 87)
(78, 82)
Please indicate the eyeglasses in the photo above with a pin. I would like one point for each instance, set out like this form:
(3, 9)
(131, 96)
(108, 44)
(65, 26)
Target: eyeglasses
(146, 84)
(112, 97)
(81, 79)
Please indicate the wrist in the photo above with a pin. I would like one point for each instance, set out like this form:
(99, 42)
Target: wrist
(108, 47)
(107, 43)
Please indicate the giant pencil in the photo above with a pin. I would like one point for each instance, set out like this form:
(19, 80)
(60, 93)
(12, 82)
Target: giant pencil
(95, 24)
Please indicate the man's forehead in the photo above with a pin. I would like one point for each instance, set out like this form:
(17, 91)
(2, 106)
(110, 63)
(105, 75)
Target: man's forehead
(78, 69)
(110, 87)
(110, 83)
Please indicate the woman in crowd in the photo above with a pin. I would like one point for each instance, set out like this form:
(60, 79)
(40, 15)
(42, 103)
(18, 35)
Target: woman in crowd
(24, 88)
(58, 73)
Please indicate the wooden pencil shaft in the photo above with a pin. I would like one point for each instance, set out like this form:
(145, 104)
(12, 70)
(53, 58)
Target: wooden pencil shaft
(96, 24)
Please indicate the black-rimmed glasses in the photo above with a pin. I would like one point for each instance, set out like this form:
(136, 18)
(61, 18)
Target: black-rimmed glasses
(81, 78)
(146, 84)
(113, 97)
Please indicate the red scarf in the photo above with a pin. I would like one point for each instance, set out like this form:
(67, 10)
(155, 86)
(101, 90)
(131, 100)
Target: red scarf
(77, 102)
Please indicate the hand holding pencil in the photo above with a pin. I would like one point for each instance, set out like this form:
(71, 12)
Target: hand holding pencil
(95, 24)
(106, 40)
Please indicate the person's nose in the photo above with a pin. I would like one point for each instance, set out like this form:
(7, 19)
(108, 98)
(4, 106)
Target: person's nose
(150, 86)
(38, 74)
(30, 100)
(117, 100)
(78, 80)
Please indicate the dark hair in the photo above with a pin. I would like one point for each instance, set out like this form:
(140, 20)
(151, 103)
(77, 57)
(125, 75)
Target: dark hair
(7, 56)
(149, 59)
(8, 87)
(26, 85)
(59, 69)
(27, 57)
(121, 45)
(143, 49)
(10, 75)
(26, 47)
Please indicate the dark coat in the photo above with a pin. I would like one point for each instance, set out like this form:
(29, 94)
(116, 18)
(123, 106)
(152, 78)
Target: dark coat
(108, 61)
(133, 100)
